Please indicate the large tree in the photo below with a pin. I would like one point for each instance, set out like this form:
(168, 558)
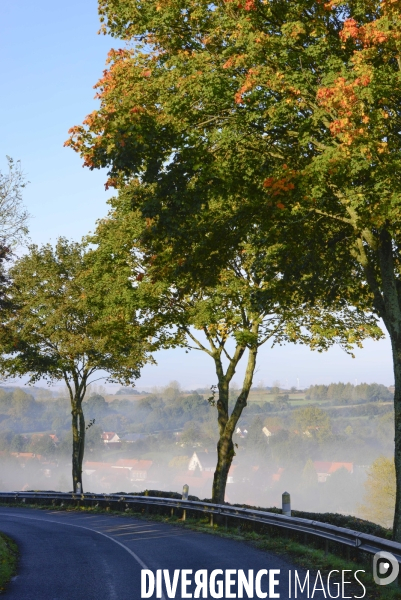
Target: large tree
(270, 107)
(248, 305)
(62, 326)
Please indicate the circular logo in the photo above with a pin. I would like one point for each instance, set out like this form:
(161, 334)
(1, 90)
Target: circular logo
(385, 568)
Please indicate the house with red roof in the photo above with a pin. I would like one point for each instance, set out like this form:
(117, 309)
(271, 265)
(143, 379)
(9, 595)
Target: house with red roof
(26, 457)
(137, 470)
(325, 469)
(91, 467)
(110, 437)
(129, 469)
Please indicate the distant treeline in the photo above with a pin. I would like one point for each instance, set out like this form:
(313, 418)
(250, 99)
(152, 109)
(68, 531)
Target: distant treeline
(346, 393)
(129, 391)
(21, 413)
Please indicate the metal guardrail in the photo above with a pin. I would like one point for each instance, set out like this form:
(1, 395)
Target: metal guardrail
(347, 537)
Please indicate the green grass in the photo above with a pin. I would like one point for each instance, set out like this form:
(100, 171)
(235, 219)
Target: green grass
(8, 560)
(300, 402)
(302, 555)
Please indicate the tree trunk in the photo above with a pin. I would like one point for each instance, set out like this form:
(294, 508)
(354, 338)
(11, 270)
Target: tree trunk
(78, 444)
(225, 447)
(225, 455)
(387, 302)
(396, 347)
(228, 423)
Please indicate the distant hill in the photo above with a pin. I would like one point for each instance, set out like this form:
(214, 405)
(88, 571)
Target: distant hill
(33, 390)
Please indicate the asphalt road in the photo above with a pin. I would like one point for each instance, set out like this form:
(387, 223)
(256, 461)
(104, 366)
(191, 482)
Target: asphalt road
(77, 556)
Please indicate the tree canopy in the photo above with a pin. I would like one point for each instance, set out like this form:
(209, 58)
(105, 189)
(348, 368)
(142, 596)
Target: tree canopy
(281, 114)
(380, 492)
(275, 113)
(59, 327)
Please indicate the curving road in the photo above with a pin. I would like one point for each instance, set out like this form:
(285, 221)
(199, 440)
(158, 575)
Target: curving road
(78, 556)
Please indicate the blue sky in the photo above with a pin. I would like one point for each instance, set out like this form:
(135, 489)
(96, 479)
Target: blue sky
(51, 58)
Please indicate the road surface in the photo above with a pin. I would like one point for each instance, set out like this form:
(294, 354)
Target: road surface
(79, 556)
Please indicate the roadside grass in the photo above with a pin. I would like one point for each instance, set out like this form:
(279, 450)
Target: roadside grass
(307, 557)
(8, 560)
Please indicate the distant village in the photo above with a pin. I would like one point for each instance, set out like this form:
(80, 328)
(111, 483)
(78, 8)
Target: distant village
(316, 443)
(130, 474)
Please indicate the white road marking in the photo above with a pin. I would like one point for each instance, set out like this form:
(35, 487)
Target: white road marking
(135, 556)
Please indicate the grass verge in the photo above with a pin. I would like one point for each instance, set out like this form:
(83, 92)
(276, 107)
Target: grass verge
(8, 560)
(304, 556)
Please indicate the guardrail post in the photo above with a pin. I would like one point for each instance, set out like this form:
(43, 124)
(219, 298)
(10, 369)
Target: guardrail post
(286, 504)
(185, 492)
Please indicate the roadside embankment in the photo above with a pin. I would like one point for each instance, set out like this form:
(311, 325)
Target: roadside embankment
(8, 560)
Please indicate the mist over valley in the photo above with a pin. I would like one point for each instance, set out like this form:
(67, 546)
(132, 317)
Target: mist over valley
(323, 445)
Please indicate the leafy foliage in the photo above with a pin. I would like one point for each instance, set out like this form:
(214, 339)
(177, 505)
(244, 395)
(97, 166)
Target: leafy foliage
(278, 114)
(60, 328)
(313, 421)
(380, 492)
